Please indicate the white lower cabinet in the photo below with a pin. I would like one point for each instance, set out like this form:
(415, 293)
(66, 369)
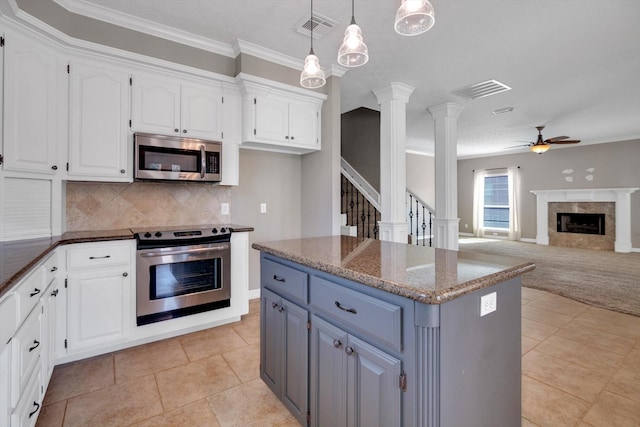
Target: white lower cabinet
(28, 408)
(99, 304)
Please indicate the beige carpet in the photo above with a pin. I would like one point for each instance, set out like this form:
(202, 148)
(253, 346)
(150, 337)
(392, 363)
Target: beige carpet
(601, 278)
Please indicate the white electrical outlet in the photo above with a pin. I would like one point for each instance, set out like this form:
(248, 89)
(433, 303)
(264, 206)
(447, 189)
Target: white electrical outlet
(263, 208)
(224, 208)
(488, 303)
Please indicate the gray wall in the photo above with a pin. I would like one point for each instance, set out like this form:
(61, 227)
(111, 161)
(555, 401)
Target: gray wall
(421, 179)
(93, 30)
(361, 143)
(274, 179)
(615, 165)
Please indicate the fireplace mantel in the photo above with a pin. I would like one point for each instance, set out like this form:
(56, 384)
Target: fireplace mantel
(620, 196)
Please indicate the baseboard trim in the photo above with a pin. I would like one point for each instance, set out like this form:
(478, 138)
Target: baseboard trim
(528, 240)
(466, 234)
(254, 293)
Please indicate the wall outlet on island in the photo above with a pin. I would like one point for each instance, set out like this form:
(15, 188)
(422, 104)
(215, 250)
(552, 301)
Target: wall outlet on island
(488, 303)
(224, 209)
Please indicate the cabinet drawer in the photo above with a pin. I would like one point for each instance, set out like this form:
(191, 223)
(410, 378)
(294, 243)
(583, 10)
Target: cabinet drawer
(25, 354)
(29, 292)
(8, 319)
(98, 255)
(26, 412)
(51, 267)
(283, 280)
(378, 319)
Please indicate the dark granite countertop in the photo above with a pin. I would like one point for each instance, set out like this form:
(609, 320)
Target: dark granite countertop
(18, 257)
(424, 274)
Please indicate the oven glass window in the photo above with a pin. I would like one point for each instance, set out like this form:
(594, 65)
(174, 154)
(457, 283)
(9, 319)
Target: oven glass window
(182, 278)
(168, 159)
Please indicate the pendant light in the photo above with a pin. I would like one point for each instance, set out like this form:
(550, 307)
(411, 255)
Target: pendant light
(353, 52)
(414, 17)
(312, 76)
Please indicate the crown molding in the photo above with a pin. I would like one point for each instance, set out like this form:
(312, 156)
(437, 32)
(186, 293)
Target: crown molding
(147, 27)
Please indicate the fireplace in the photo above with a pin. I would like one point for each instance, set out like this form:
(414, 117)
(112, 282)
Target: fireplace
(582, 223)
(618, 218)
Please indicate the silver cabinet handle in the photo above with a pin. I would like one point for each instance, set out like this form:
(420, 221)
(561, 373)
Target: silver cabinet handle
(349, 350)
(348, 310)
(337, 343)
(203, 161)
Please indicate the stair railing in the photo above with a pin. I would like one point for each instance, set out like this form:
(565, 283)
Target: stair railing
(420, 214)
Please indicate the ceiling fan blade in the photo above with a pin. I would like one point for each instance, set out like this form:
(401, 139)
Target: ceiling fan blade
(519, 146)
(566, 141)
(554, 139)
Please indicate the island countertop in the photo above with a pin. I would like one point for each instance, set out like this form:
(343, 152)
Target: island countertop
(424, 274)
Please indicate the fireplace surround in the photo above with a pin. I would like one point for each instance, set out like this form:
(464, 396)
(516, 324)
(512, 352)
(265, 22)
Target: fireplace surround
(621, 197)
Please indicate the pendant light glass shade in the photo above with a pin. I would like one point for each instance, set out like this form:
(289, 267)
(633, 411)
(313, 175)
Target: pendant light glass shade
(414, 17)
(540, 148)
(353, 52)
(312, 75)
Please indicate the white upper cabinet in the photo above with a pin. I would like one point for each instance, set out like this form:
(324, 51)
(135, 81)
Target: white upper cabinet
(169, 106)
(99, 122)
(34, 91)
(231, 133)
(279, 117)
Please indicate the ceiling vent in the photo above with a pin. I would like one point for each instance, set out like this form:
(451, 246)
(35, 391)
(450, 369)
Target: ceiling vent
(480, 90)
(321, 25)
(503, 110)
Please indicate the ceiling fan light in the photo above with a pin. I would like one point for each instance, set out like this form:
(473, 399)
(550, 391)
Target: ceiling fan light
(414, 17)
(540, 148)
(353, 52)
(312, 76)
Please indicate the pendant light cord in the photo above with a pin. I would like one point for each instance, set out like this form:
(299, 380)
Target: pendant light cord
(311, 25)
(353, 15)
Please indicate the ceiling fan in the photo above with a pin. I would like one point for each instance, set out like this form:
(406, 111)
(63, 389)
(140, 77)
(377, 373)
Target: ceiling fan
(540, 146)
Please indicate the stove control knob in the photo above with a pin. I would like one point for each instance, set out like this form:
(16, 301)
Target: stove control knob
(158, 234)
(223, 230)
(147, 234)
(214, 231)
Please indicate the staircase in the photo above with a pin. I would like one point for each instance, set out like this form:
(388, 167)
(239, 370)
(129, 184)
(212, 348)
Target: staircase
(360, 210)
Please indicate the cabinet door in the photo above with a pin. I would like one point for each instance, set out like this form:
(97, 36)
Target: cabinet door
(155, 105)
(272, 118)
(328, 374)
(98, 309)
(201, 109)
(270, 340)
(295, 383)
(304, 122)
(99, 115)
(49, 330)
(31, 86)
(373, 390)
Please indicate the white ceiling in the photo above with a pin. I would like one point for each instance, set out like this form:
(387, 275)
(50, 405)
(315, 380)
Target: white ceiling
(574, 65)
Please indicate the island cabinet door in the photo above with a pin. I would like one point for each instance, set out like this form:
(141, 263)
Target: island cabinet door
(328, 375)
(373, 386)
(284, 352)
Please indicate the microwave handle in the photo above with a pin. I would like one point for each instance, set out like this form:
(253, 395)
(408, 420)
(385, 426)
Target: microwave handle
(203, 162)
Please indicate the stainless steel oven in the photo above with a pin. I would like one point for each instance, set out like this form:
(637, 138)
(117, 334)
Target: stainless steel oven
(181, 272)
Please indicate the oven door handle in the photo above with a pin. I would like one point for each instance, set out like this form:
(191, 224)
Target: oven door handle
(182, 252)
(203, 162)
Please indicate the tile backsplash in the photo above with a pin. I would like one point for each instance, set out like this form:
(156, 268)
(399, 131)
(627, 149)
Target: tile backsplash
(107, 206)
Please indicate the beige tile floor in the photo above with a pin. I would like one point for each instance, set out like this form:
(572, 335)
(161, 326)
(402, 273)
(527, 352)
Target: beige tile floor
(580, 365)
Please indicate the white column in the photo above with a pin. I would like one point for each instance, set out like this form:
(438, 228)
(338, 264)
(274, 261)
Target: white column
(623, 221)
(445, 118)
(393, 164)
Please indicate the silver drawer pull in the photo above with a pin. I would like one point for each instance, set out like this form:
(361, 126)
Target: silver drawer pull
(100, 257)
(337, 343)
(35, 292)
(279, 278)
(35, 345)
(348, 310)
(349, 351)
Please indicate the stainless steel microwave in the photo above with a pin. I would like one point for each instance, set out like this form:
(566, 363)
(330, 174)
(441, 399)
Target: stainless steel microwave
(169, 158)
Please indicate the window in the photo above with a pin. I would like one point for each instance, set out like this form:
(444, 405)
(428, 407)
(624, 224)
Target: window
(496, 201)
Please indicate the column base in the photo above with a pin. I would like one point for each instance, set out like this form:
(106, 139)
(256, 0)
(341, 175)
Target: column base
(393, 231)
(446, 233)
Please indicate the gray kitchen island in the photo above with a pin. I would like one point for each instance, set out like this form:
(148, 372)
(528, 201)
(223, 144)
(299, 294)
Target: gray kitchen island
(361, 332)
